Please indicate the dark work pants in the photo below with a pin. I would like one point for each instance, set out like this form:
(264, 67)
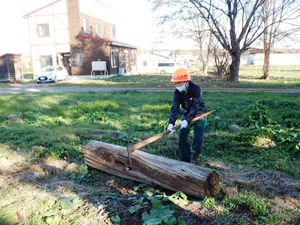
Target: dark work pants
(198, 140)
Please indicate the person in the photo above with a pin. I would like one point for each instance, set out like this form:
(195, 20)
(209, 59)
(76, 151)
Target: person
(188, 97)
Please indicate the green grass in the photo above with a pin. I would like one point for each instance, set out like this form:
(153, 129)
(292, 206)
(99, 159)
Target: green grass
(42, 126)
(163, 81)
(126, 117)
(281, 73)
(249, 76)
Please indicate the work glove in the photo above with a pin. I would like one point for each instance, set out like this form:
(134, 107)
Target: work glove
(183, 124)
(170, 128)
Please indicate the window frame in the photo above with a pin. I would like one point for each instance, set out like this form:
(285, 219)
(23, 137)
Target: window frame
(43, 30)
(114, 57)
(98, 29)
(86, 25)
(114, 31)
(46, 60)
(77, 57)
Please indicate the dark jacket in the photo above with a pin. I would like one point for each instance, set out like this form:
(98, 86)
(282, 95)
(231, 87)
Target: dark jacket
(191, 103)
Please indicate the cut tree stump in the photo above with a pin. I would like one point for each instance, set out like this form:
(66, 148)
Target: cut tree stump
(150, 169)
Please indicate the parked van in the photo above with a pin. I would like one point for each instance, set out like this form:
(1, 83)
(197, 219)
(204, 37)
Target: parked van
(168, 67)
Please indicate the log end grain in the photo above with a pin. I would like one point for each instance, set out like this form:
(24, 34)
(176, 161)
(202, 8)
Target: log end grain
(213, 180)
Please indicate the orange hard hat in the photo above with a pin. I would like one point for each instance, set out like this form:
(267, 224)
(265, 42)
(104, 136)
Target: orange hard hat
(180, 75)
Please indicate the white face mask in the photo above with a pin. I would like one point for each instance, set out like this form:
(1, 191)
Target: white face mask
(181, 88)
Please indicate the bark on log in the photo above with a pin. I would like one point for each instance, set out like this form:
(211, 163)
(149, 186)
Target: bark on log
(147, 168)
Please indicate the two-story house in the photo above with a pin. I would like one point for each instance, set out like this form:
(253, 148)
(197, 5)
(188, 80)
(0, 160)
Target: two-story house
(74, 33)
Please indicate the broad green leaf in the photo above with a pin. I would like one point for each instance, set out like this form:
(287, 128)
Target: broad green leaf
(156, 203)
(67, 203)
(181, 221)
(149, 193)
(170, 220)
(179, 198)
(158, 216)
(116, 219)
(150, 221)
(134, 208)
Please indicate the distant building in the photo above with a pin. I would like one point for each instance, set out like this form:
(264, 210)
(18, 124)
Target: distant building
(164, 61)
(255, 56)
(148, 62)
(74, 33)
(10, 67)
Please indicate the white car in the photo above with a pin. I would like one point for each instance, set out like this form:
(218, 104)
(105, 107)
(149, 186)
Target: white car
(168, 67)
(51, 74)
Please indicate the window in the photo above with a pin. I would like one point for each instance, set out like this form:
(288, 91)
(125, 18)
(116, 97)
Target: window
(77, 57)
(114, 31)
(103, 30)
(167, 67)
(46, 60)
(98, 29)
(166, 64)
(59, 68)
(114, 57)
(86, 25)
(43, 30)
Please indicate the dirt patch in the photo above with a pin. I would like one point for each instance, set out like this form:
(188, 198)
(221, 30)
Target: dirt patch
(280, 188)
(107, 196)
(247, 176)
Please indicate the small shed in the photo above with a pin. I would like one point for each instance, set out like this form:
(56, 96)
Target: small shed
(10, 67)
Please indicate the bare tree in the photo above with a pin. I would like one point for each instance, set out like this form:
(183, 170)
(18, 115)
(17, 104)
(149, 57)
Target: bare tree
(183, 21)
(200, 33)
(279, 22)
(205, 41)
(236, 24)
(222, 61)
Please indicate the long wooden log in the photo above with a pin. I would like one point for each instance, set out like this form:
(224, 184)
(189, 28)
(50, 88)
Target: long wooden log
(147, 168)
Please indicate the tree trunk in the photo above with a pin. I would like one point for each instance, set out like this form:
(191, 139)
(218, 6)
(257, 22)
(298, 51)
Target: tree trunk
(266, 66)
(152, 169)
(205, 69)
(235, 67)
(203, 61)
(267, 36)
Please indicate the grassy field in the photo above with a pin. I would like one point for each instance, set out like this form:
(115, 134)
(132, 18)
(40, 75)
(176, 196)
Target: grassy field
(280, 77)
(252, 140)
(163, 81)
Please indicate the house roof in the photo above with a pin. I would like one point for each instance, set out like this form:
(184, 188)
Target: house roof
(122, 44)
(34, 11)
(91, 37)
(3, 53)
(101, 3)
(107, 41)
(159, 55)
(52, 3)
